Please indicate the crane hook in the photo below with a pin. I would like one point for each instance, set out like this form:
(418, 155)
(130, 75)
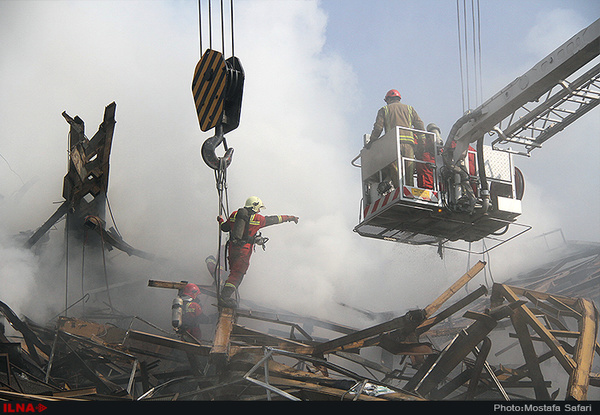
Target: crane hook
(209, 154)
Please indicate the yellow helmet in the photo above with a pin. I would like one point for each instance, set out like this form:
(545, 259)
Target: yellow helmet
(255, 203)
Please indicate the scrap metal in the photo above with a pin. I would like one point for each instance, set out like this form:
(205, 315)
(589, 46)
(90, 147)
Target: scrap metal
(434, 353)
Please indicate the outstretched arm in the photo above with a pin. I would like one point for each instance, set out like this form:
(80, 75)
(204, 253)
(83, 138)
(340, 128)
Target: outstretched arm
(276, 219)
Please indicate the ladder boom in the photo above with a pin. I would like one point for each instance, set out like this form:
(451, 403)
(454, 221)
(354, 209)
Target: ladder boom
(551, 71)
(572, 101)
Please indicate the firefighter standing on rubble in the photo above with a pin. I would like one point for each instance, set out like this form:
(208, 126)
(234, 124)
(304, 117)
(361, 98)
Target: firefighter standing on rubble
(243, 226)
(396, 114)
(188, 317)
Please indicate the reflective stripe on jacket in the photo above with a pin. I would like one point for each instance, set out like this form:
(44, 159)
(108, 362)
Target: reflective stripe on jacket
(397, 114)
(250, 224)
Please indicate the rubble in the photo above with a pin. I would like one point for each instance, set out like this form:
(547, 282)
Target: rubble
(454, 349)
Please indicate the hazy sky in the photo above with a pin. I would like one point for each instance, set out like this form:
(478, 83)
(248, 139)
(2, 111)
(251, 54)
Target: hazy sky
(316, 73)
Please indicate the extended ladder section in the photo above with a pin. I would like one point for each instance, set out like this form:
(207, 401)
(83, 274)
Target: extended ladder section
(541, 102)
(563, 105)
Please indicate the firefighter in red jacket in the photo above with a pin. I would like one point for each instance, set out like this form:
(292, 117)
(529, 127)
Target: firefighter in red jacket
(187, 312)
(243, 226)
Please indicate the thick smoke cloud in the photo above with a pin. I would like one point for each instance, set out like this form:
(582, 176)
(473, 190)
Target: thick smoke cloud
(293, 149)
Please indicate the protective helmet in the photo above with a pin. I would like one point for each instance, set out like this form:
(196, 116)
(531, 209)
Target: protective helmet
(191, 290)
(255, 203)
(392, 93)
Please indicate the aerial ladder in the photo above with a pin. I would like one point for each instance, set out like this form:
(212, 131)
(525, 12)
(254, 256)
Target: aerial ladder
(477, 190)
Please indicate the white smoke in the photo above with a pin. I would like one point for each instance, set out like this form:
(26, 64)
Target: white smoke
(293, 149)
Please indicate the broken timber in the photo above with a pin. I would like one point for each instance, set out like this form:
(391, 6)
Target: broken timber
(85, 185)
(220, 349)
(88, 361)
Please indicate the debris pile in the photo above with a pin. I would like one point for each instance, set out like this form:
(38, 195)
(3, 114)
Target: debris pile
(503, 343)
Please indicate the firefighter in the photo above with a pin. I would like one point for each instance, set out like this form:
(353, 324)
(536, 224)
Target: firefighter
(396, 114)
(425, 153)
(243, 226)
(190, 317)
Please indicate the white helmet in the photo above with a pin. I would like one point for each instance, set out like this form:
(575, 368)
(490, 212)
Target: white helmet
(255, 203)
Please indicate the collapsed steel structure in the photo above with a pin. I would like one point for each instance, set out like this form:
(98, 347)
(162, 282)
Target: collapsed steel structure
(445, 351)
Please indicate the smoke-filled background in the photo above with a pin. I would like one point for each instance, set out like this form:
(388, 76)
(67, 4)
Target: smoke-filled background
(316, 73)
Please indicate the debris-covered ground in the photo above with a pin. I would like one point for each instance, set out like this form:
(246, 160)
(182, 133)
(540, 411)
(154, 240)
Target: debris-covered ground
(531, 338)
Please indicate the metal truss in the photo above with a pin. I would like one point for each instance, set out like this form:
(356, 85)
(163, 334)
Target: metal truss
(536, 122)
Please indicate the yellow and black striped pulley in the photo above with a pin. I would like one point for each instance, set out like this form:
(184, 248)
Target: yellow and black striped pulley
(208, 88)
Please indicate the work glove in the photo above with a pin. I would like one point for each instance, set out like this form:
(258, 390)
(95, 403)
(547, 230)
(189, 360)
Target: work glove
(220, 219)
(292, 219)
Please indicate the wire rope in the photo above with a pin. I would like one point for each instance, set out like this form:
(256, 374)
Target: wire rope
(200, 25)
(468, 91)
(105, 271)
(469, 52)
(221, 171)
(479, 52)
(222, 29)
(232, 35)
(460, 56)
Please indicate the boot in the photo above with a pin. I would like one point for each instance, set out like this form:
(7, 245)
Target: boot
(225, 300)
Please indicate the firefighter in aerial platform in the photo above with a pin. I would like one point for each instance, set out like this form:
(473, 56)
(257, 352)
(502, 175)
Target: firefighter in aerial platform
(397, 114)
(243, 226)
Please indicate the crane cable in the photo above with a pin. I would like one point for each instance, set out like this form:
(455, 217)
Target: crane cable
(466, 49)
(210, 28)
(221, 171)
(470, 54)
(221, 182)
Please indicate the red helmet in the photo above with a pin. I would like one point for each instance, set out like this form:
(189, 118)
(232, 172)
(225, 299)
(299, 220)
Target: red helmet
(392, 93)
(191, 290)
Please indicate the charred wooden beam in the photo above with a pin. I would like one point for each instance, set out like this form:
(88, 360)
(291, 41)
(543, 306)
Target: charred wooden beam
(153, 339)
(579, 365)
(404, 324)
(86, 183)
(179, 286)
(451, 310)
(286, 318)
(463, 344)
(339, 394)
(562, 356)
(32, 341)
(256, 338)
(41, 231)
(112, 238)
(531, 359)
(478, 367)
(167, 284)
